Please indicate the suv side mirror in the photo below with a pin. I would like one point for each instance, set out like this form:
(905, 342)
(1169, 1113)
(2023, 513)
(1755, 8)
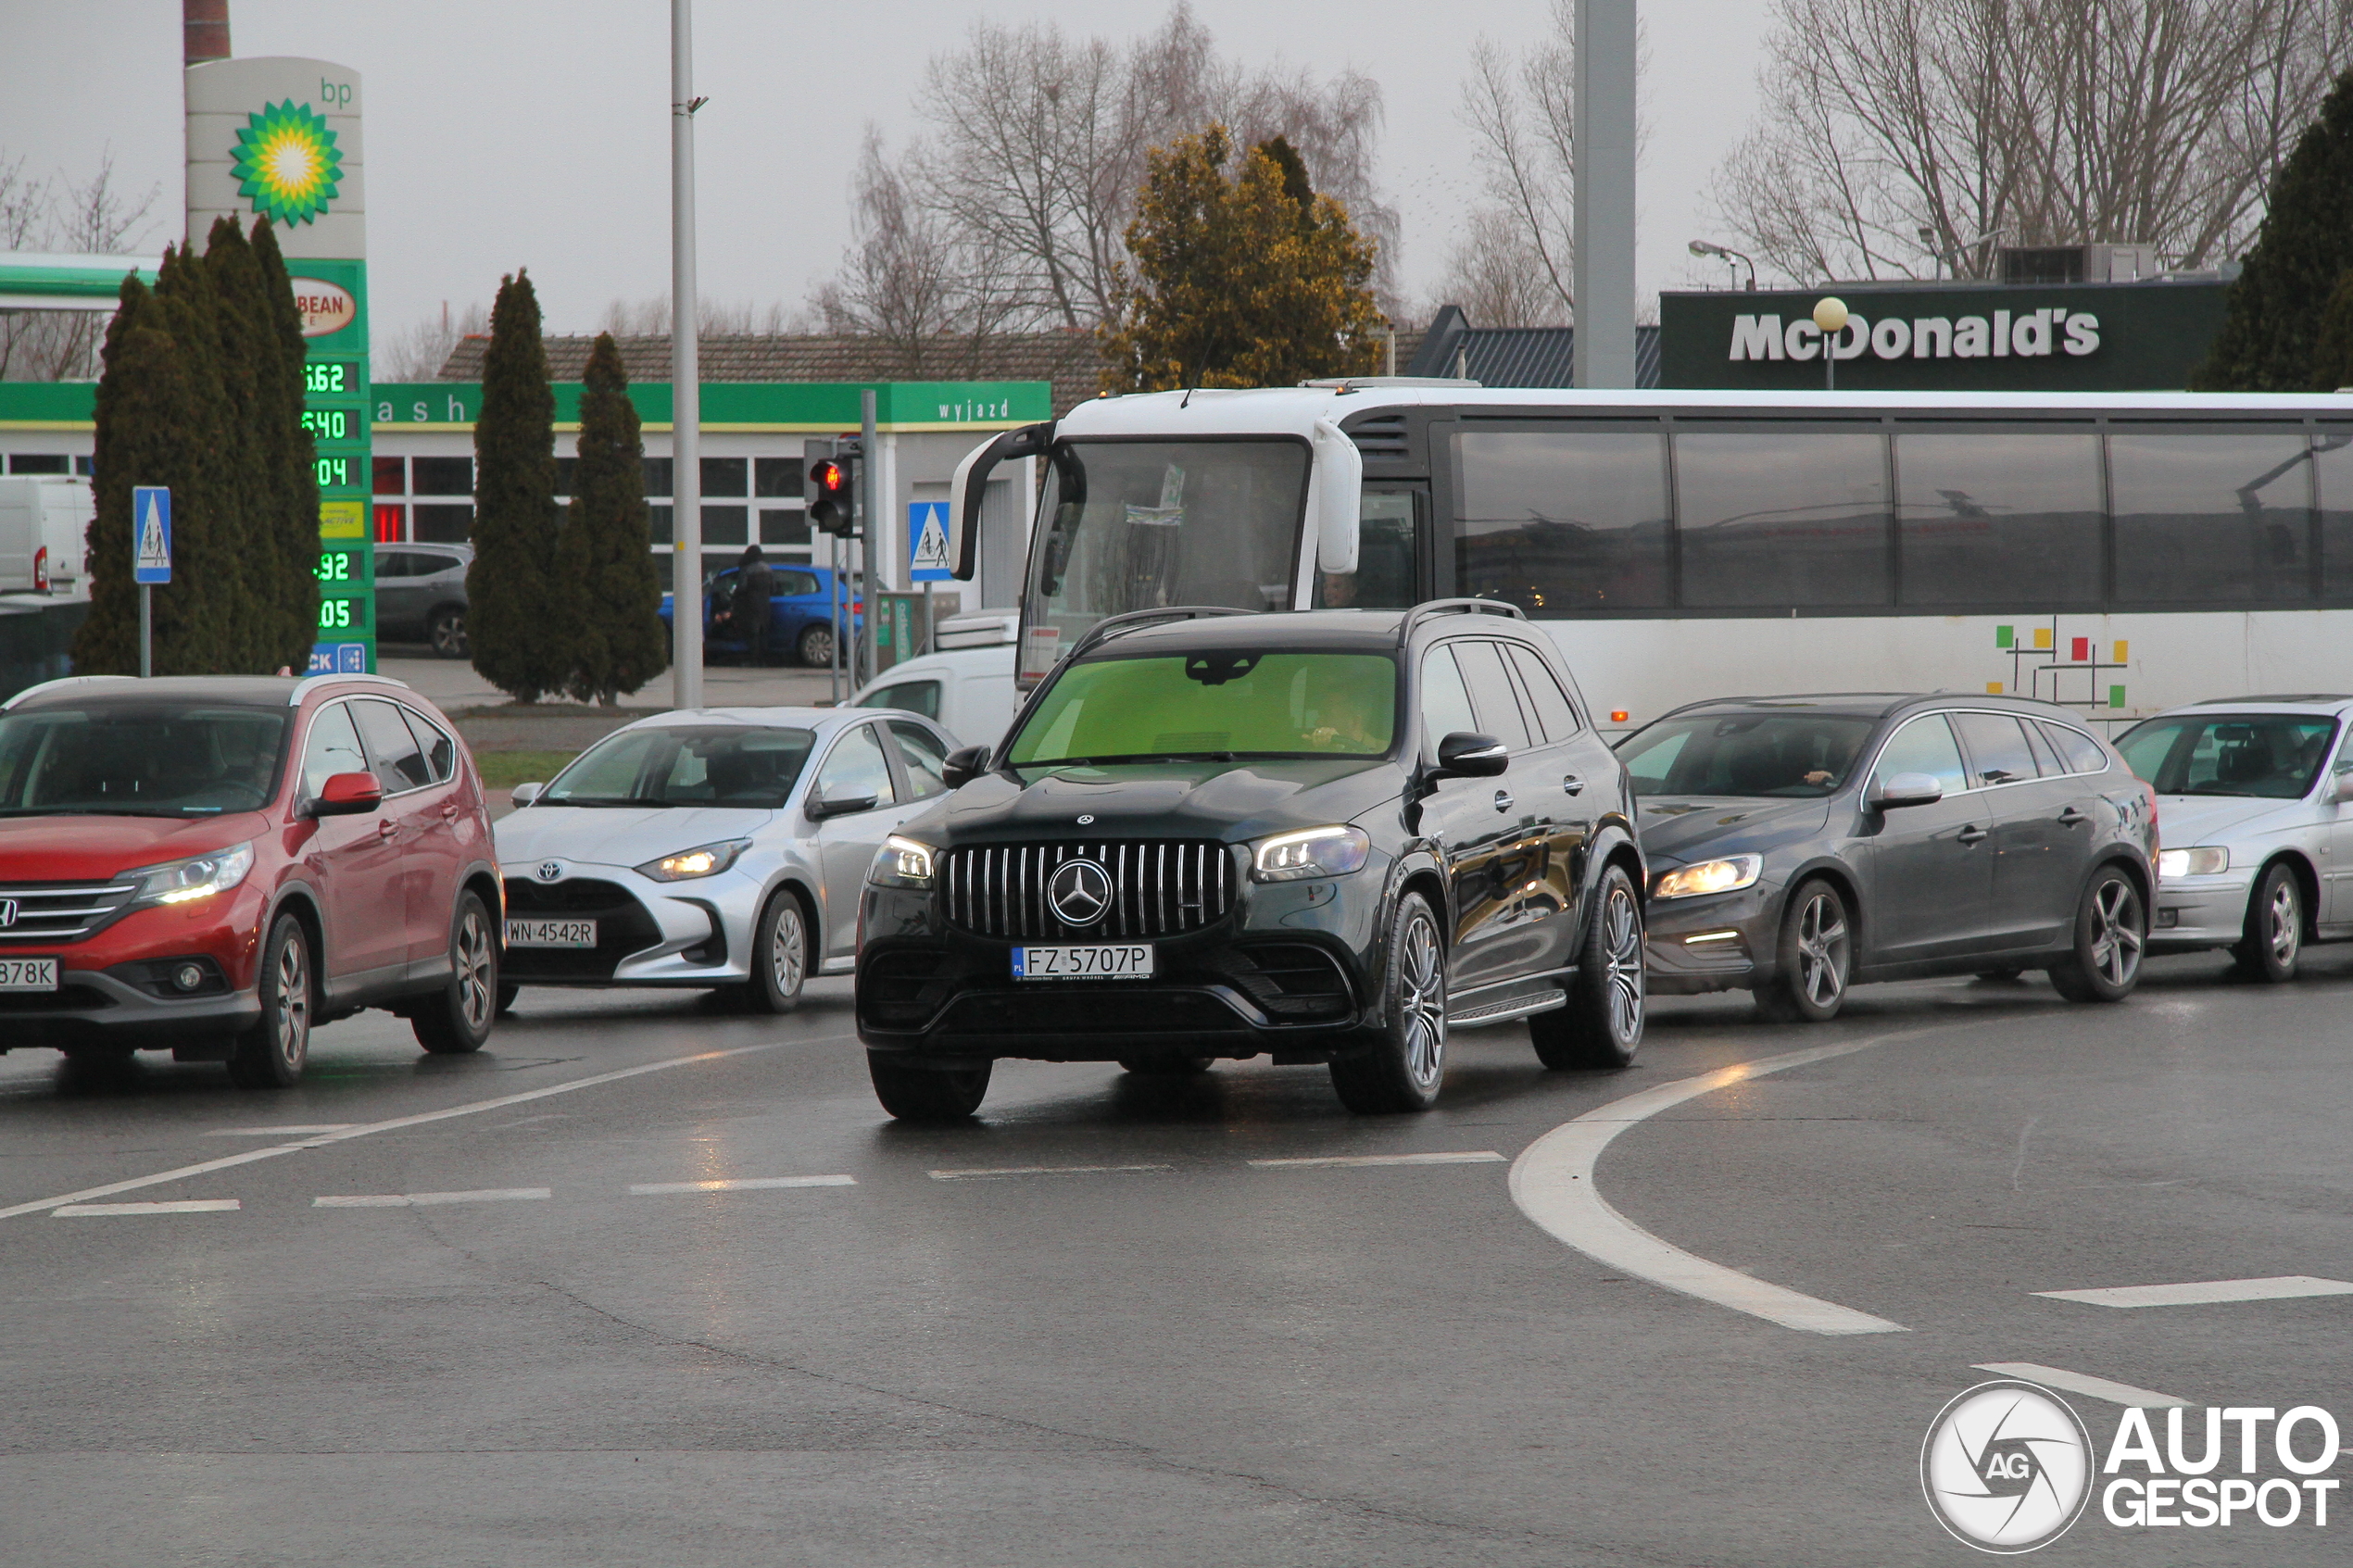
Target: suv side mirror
(346, 795)
(1904, 789)
(1466, 755)
(965, 766)
(524, 794)
(816, 808)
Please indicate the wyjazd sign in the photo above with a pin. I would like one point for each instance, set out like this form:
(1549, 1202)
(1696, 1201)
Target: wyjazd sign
(2056, 338)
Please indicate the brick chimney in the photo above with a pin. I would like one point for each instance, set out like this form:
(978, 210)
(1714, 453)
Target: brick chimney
(204, 30)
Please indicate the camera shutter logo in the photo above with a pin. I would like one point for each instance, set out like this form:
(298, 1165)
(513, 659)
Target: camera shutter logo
(2006, 1467)
(1079, 892)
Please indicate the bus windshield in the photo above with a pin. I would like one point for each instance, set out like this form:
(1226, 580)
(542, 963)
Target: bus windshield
(1126, 525)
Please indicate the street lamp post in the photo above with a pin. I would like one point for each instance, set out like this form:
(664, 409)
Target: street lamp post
(1710, 247)
(1829, 315)
(685, 375)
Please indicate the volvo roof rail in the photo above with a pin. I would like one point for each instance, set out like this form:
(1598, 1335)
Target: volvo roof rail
(1111, 626)
(1433, 608)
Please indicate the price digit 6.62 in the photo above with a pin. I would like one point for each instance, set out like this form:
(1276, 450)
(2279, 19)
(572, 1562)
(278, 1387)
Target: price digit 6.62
(329, 377)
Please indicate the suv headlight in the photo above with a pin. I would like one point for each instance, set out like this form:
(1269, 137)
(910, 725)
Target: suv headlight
(1310, 852)
(705, 859)
(902, 862)
(2204, 861)
(200, 876)
(1732, 873)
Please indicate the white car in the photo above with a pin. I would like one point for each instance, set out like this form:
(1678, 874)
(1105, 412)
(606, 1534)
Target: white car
(966, 683)
(2256, 830)
(717, 847)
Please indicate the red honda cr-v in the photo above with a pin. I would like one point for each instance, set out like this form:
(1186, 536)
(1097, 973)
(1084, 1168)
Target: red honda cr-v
(215, 864)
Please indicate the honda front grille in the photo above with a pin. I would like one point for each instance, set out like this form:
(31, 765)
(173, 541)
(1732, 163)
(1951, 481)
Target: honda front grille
(59, 911)
(1159, 887)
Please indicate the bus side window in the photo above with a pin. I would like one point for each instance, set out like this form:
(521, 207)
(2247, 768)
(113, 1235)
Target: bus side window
(1387, 561)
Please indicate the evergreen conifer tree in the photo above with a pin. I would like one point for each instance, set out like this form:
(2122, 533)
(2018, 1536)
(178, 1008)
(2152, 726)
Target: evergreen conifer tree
(200, 619)
(243, 345)
(2305, 246)
(606, 552)
(519, 616)
(141, 399)
(290, 521)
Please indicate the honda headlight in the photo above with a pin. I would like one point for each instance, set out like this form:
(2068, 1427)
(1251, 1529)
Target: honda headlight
(1310, 852)
(902, 862)
(706, 860)
(1727, 875)
(200, 876)
(2205, 861)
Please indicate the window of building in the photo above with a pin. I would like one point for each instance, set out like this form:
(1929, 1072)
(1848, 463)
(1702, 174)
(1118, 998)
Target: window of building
(441, 524)
(567, 475)
(2211, 517)
(390, 524)
(726, 525)
(725, 476)
(390, 475)
(443, 476)
(2333, 475)
(1563, 521)
(657, 524)
(40, 462)
(1999, 518)
(657, 476)
(775, 476)
(780, 527)
(1792, 519)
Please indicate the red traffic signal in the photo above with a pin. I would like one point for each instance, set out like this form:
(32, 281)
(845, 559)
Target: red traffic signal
(829, 495)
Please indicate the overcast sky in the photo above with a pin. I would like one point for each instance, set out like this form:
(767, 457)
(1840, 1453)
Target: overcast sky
(535, 132)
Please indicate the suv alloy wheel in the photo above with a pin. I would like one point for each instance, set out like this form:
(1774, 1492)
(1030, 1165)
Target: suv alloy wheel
(1400, 1071)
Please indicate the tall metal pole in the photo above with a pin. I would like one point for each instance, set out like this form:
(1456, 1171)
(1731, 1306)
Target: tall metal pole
(146, 631)
(1603, 350)
(869, 533)
(685, 373)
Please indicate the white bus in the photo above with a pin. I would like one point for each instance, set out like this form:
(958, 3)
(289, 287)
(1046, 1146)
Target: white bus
(2121, 553)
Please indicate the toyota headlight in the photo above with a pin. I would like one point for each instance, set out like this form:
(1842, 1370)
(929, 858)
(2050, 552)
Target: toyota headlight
(1310, 852)
(1727, 875)
(200, 876)
(704, 859)
(2205, 861)
(902, 862)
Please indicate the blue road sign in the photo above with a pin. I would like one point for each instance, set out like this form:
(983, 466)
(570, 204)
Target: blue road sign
(150, 534)
(928, 542)
(338, 658)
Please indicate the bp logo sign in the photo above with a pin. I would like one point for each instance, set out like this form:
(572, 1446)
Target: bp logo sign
(287, 163)
(2006, 1467)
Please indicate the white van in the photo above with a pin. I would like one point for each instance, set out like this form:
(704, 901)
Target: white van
(967, 684)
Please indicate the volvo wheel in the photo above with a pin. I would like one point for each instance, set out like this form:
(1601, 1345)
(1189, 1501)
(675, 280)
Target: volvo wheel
(2274, 938)
(272, 1051)
(1401, 1068)
(1602, 1025)
(1817, 955)
(2111, 930)
(457, 1019)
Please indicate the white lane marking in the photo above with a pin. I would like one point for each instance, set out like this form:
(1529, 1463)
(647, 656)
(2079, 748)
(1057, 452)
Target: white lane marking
(2199, 1293)
(2082, 1383)
(741, 1183)
(1553, 1183)
(427, 1199)
(364, 1129)
(1459, 1156)
(1044, 1171)
(176, 1206)
(277, 1132)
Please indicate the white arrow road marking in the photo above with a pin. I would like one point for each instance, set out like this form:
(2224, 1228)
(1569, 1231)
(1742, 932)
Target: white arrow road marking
(2081, 1383)
(1553, 1183)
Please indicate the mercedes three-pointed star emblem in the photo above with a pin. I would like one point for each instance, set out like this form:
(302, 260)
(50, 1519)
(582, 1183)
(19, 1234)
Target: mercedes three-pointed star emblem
(1080, 892)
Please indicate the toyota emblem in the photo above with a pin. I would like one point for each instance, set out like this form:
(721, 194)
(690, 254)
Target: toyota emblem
(550, 870)
(1079, 892)
(8, 913)
(1085, 820)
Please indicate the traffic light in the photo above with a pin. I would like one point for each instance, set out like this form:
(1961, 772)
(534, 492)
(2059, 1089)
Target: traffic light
(830, 478)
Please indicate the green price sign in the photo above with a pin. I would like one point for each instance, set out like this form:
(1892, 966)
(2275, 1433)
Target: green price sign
(341, 568)
(330, 377)
(331, 424)
(343, 615)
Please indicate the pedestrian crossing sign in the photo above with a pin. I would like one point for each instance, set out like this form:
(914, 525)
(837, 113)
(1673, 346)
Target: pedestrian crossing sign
(928, 542)
(150, 534)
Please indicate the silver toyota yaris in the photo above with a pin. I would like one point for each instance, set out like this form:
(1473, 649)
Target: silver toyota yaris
(2255, 813)
(720, 848)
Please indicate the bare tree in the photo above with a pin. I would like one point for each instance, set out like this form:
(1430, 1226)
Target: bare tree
(418, 353)
(1498, 276)
(1902, 138)
(89, 219)
(714, 317)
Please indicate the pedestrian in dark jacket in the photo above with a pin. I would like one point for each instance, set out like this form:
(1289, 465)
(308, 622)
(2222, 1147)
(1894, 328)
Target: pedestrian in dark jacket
(748, 607)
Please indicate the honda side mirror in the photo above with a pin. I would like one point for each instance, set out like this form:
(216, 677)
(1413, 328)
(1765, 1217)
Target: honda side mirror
(524, 794)
(1898, 790)
(346, 795)
(965, 766)
(1464, 755)
(817, 808)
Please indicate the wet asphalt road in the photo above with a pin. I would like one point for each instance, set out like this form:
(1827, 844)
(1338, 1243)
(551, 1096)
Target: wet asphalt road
(1151, 1351)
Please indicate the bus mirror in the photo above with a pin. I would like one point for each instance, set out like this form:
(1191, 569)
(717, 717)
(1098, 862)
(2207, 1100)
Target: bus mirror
(971, 484)
(1337, 485)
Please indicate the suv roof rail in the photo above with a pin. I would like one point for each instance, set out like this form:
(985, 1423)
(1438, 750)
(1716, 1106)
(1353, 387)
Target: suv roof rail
(304, 687)
(61, 681)
(1111, 626)
(1433, 608)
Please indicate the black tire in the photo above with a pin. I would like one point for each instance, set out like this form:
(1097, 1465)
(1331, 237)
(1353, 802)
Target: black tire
(1399, 1070)
(928, 1096)
(779, 955)
(271, 1052)
(507, 992)
(815, 648)
(447, 632)
(1602, 1026)
(2112, 931)
(2274, 939)
(1165, 1065)
(1815, 957)
(457, 1019)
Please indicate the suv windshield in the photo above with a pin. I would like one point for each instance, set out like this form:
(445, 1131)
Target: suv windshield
(2269, 755)
(1224, 705)
(1143, 524)
(686, 765)
(1769, 754)
(139, 759)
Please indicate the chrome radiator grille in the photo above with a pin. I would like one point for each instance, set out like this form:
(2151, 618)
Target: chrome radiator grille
(59, 911)
(1160, 887)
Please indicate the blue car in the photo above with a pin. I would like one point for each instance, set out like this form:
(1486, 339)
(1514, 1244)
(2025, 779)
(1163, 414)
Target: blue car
(800, 615)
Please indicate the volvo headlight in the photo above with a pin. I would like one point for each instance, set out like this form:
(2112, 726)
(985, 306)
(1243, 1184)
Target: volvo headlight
(1732, 873)
(902, 862)
(1310, 852)
(200, 876)
(704, 859)
(2205, 861)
